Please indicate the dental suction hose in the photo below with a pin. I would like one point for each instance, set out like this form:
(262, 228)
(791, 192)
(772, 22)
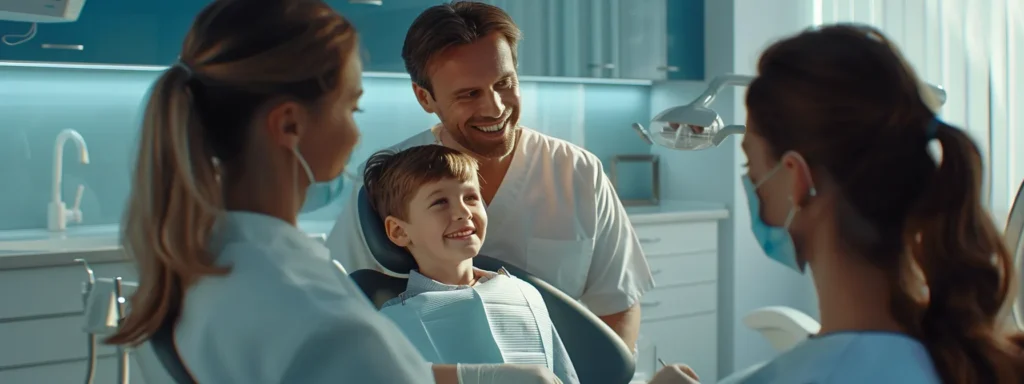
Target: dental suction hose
(90, 373)
(122, 352)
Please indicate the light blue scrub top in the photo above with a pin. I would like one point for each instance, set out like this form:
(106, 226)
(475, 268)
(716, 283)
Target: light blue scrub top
(846, 358)
(286, 314)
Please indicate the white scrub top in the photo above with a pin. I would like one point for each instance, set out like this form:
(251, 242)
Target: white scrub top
(555, 215)
(847, 358)
(286, 314)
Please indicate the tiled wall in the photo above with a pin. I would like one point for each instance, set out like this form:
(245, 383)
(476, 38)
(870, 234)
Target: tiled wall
(103, 105)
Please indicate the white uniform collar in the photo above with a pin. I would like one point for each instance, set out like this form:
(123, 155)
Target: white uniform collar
(263, 231)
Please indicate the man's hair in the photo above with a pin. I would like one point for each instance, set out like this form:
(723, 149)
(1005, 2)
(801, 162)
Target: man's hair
(457, 23)
(391, 179)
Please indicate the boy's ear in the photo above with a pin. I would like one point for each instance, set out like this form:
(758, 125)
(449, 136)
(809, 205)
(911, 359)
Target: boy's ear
(395, 230)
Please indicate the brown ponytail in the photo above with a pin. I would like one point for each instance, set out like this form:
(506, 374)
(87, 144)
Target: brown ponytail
(238, 57)
(174, 202)
(968, 270)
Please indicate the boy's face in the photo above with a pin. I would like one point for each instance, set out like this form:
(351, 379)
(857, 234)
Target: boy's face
(446, 222)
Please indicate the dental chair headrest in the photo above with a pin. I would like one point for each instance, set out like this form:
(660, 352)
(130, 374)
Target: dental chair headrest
(390, 256)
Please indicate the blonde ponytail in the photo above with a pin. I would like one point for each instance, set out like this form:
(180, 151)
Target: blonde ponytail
(172, 208)
(200, 115)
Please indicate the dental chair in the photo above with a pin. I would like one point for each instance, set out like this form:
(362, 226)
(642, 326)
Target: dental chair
(597, 353)
(784, 327)
(159, 360)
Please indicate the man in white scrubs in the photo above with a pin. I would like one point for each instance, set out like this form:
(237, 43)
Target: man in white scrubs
(553, 211)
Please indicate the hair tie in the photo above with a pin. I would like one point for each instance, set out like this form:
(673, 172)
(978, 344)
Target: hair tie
(184, 67)
(932, 129)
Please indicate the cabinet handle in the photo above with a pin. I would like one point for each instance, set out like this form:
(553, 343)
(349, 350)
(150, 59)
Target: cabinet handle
(603, 66)
(68, 47)
(650, 303)
(668, 68)
(655, 272)
(644, 240)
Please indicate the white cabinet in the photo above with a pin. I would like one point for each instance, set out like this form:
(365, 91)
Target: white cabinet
(680, 315)
(41, 337)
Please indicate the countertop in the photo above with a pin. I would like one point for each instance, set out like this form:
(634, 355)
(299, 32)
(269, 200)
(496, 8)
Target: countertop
(35, 248)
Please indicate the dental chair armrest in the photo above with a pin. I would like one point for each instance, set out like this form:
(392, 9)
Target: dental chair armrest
(784, 327)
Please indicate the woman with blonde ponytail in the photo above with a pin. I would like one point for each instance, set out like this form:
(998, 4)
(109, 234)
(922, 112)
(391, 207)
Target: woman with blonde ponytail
(912, 275)
(257, 115)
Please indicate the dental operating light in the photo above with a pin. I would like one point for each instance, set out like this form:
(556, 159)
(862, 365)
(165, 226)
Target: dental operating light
(695, 126)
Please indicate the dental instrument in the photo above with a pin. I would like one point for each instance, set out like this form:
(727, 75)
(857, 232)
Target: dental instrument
(662, 362)
(58, 215)
(105, 307)
(90, 373)
(695, 126)
(122, 352)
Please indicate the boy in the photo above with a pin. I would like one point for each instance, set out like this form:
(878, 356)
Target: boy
(429, 199)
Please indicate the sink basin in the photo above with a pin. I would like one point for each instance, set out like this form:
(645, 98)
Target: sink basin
(61, 244)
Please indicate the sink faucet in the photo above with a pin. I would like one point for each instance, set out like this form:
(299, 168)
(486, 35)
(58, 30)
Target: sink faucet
(58, 215)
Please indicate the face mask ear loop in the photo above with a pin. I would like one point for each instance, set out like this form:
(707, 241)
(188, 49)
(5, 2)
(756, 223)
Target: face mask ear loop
(295, 176)
(794, 208)
(299, 161)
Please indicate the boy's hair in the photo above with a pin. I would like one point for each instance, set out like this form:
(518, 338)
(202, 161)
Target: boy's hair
(391, 179)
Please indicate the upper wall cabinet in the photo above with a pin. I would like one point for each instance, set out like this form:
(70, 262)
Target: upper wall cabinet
(107, 32)
(625, 39)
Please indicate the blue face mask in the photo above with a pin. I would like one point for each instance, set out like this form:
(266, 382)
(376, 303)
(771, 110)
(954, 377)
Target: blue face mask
(319, 194)
(774, 241)
(322, 194)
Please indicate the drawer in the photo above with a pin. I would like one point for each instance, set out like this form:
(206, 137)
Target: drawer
(45, 340)
(686, 340)
(688, 268)
(677, 238)
(668, 302)
(52, 290)
(70, 372)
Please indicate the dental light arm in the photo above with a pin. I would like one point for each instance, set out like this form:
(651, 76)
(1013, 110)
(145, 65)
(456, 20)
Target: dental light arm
(718, 84)
(695, 126)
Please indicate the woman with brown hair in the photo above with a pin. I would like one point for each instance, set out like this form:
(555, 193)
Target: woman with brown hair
(913, 278)
(256, 116)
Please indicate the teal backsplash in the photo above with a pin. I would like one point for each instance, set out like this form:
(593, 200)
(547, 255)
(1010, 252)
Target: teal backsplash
(104, 105)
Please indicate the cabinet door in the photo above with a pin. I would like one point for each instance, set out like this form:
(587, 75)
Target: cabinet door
(691, 340)
(643, 51)
(601, 38)
(662, 40)
(685, 40)
(108, 32)
(542, 39)
(382, 29)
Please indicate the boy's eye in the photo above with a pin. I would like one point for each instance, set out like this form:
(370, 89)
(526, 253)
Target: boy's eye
(439, 202)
